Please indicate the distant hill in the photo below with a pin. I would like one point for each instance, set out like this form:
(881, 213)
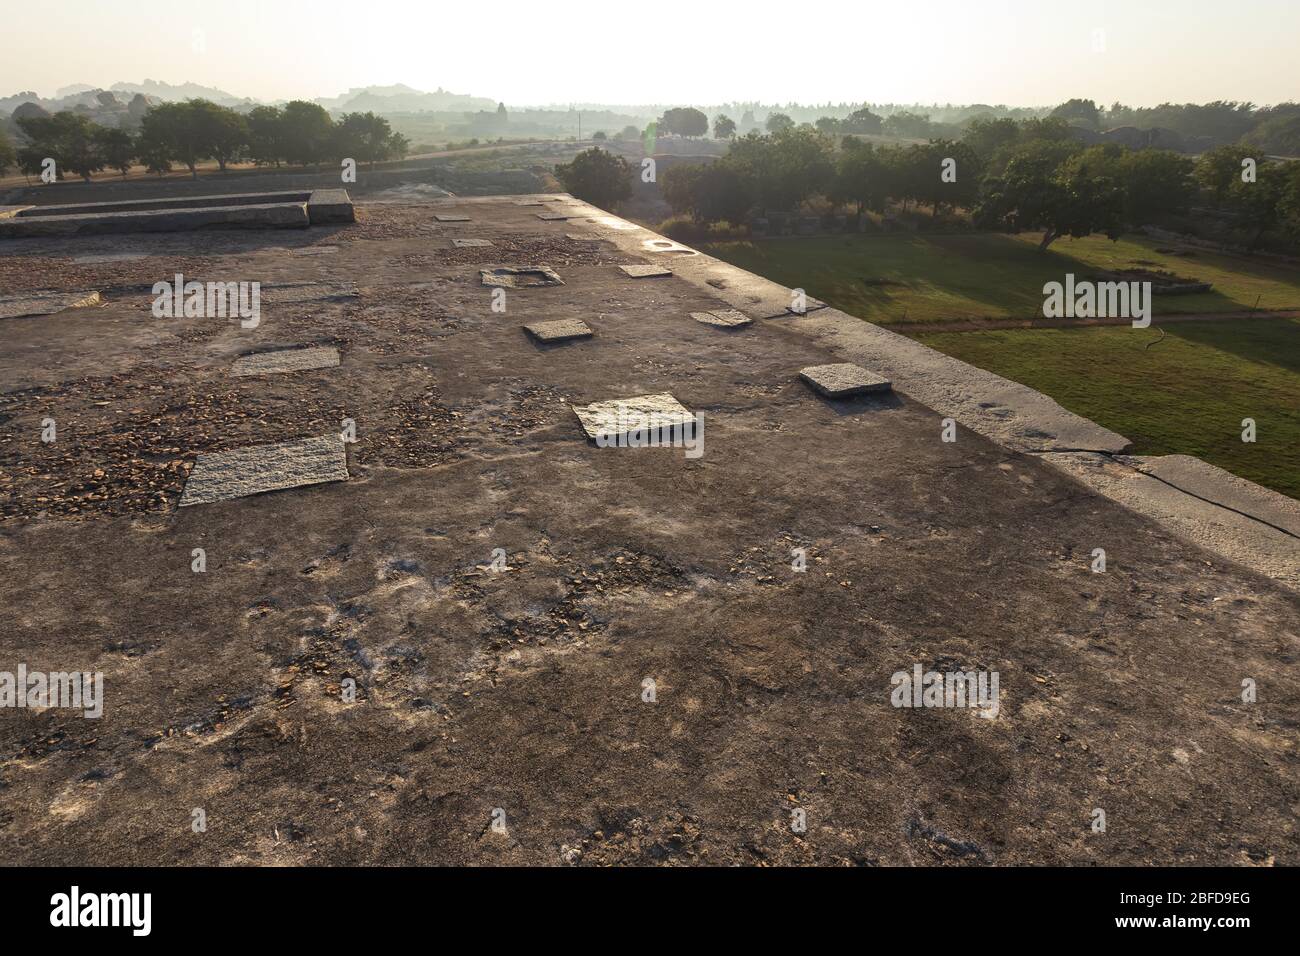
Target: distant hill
(404, 99)
(170, 92)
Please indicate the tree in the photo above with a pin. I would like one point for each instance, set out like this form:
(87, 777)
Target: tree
(684, 121)
(364, 137)
(1079, 113)
(905, 124)
(597, 177)
(778, 122)
(786, 167)
(154, 155)
(987, 136)
(69, 138)
(265, 135)
(709, 192)
(1156, 183)
(173, 129)
(8, 155)
(860, 176)
(724, 127)
(117, 147)
(1219, 168)
(629, 134)
(599, 136)
(222, 132)
(306, 132)
(861, 121)
(1069, 199)
(828, 125)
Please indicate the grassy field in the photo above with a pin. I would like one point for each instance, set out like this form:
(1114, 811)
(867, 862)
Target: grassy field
(1185, 395)
(910, 278)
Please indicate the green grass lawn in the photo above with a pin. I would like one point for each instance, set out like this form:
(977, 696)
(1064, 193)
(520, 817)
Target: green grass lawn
(1185, 395)
(918, 278)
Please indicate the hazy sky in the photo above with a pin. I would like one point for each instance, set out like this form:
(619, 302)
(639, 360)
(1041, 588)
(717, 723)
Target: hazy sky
(1019, 52)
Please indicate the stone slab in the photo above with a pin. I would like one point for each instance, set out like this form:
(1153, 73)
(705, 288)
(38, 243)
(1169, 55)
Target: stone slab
(287, 215)
(221, 476)
(646, 272)
(286, 360)
(727, 318)
(623, 415)
(559, 331)
(451, 217)
(470, 243)
(843, 380)
(580, 237)
(17, 306)
(289, 293)
(520, 277)
(330, 206)
(553, 216)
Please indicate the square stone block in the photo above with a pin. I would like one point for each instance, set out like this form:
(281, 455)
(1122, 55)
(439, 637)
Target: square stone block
(470, 243)
(843, 380)
(623, 415)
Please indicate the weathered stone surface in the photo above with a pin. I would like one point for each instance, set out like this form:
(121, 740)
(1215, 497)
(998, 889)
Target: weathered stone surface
(470, 243)
(728, 318)
(646, 272)
(286, 360)
(287, 293)
(559, 331)
(843, 379)
(223, 475)
(286, 215)
(330, 206)
(520, 277)
(451, 217)
(44, 303)
(622, 415)
(553, 216)
(580, 237)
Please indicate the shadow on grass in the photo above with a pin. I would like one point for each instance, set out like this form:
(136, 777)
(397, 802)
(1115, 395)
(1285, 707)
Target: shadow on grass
(1267, 341)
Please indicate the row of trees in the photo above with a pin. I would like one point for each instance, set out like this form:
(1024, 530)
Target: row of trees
(188, 133)
(1029, 175)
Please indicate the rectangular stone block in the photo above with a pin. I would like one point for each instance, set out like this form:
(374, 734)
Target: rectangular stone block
(221, 476)
(646, 272)
(44, 303)
(559, 331)
(451, 217)
(843, 380)
(520, 277)
(470, 243)
(728, 318)
(286, 360)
